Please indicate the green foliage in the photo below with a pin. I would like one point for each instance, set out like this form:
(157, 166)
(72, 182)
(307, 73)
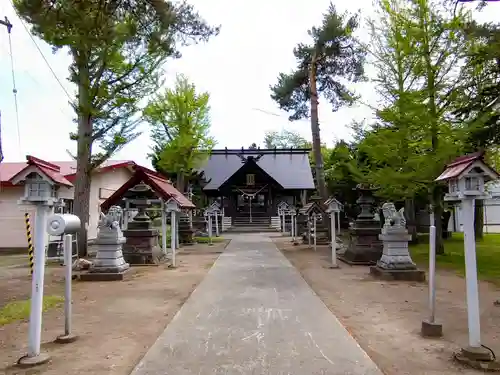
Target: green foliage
(285, 139)
(478, 107)
(338, 58)
(180, 126)
(416, 51)
(342, 174)
(118, 49)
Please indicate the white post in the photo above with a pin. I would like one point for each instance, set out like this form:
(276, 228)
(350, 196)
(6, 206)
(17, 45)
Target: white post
(309, 230)
(35, 324)
(125, 215)
(68, 257)
(163, 228)
(334, 240)
(216, 224)
(210, 229)
(471, 274)
(292, 217)
(315, 234)
(177, 237)
(432, 271)
(172, 236)
(250, 197)
(283, 229)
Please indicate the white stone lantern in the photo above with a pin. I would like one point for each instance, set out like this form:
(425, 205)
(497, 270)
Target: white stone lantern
(41, 181)
(333, 208)
(283, 207)
(466, 177)
(38, 189)
(172, 206)
(215, 211)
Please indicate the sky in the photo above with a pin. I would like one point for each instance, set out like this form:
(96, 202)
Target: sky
(236, 67)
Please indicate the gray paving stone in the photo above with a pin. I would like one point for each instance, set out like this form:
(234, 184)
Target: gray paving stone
(254, 314)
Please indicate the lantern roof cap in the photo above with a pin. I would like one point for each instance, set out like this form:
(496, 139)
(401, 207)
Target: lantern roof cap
(464, 164)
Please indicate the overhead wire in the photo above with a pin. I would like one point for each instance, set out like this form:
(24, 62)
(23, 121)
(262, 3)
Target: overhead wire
(14, 86)
(41, 54)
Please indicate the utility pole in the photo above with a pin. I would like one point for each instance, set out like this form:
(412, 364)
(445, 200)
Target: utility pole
(8, 25)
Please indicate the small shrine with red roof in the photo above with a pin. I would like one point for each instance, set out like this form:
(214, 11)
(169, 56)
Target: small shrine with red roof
(41, 180)
(145, 189)
(467, 176)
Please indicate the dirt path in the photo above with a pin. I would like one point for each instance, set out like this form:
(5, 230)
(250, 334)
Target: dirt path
(116, 321)
(385, 317)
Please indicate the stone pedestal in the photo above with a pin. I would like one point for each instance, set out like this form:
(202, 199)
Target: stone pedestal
(395, 262)
(139, 246)
(109, 263)
(365, 248)
(186, 233)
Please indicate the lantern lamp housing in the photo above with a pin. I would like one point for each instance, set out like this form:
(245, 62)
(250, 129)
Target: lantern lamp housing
(467, 177)
(172, 206)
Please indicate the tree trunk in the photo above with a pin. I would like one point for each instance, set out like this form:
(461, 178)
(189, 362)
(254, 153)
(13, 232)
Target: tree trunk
(316, 138)
(83, 154)
(479, 219)
(180, 182)
(432, 91)
(411, 219)
(437, 207)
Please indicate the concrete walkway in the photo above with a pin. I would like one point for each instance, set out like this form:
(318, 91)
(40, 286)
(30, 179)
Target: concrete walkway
(254, 314)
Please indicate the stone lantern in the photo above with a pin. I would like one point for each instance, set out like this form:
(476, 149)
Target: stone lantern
(365, 247)
(333, 208)
(39, 190)
(172, 207)
(466, 177)
(141, 237)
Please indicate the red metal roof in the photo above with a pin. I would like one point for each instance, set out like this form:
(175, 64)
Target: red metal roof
(67, 168)
(50, 170)
(161, 186)
(460, 164)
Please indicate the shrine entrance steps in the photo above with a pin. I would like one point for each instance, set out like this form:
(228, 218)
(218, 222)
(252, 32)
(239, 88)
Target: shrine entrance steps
(259, 222)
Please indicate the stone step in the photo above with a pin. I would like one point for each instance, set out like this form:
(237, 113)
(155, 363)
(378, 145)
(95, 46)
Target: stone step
(250, 229)
(254, 223)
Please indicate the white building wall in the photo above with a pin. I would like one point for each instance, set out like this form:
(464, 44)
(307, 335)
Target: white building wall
(103, 185)
(12, 223)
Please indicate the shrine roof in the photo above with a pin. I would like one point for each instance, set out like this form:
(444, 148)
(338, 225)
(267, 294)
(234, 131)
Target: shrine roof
(160, 185)
(50, 170)
(289, 167)
(462, 163)
(311, 207)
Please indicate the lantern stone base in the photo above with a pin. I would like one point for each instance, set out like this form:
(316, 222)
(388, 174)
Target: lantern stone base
(478, 358)
(139, 248)
(397, 275)
(109, 263)
(395, 262)
(365, 248)
(66, 339)
(431, 329)
(38, 360)
(106, 276)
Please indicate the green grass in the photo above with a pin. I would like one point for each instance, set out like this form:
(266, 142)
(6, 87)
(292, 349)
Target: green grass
(19, 310)
(206, 239)
(487, 255)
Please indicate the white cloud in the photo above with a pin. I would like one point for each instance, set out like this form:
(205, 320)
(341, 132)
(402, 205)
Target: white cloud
(237, 67)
